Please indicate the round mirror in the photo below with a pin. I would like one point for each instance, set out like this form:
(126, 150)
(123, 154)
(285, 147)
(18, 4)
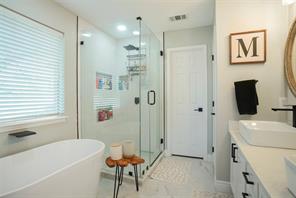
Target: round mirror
(290, 59)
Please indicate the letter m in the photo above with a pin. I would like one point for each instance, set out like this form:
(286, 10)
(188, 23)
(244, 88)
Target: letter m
(241, 45)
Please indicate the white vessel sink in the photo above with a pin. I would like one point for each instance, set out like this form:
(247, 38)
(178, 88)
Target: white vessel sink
(268, 134)
(291, 173)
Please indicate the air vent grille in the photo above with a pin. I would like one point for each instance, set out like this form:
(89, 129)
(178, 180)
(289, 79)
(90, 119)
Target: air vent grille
(178, 17)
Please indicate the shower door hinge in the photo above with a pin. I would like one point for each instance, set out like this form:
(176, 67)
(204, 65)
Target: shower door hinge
(213, 149)
(161, 53)
(137, 100)
(161, 140)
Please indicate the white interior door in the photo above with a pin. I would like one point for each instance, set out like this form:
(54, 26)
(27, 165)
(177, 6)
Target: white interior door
(187, 101)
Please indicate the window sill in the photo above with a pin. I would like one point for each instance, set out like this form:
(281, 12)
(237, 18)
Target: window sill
(17, 125)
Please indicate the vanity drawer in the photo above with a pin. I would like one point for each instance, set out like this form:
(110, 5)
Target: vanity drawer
(237, 167)
(251, 182)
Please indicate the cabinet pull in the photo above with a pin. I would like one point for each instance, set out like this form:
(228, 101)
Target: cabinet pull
(234, 157)
(245, 195)
(245, 174)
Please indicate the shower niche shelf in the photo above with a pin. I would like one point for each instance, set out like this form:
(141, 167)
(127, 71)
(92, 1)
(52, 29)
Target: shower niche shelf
(136, 56)
(136, 70)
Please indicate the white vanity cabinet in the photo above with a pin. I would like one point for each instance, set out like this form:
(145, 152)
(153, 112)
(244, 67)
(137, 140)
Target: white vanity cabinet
(262, 192)
(243, 180)
(238, 165)
(257, 172)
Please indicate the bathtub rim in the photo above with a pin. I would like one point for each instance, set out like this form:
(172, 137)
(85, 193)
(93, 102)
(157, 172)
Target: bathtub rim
(101, 150)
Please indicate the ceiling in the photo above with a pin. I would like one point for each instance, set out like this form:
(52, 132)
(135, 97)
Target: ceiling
(107, 14)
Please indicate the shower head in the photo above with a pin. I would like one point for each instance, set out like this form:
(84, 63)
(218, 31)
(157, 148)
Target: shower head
(130, 47)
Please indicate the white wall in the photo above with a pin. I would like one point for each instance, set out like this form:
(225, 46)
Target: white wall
(238, 16)
(197, 36)
(52, 14)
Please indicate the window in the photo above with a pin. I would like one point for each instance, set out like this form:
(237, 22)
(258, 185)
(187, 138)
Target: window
(31, 69)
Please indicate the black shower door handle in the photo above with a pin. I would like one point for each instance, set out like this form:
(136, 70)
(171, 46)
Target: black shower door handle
(154, 97)
(148, 97)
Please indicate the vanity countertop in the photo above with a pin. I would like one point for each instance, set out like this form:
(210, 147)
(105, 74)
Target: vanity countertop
(267, 163)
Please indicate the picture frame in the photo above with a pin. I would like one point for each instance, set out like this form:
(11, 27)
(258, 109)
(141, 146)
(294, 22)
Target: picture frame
(247, 47)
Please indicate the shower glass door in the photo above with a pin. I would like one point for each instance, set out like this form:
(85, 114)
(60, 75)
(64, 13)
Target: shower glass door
(155, 112)
(109, 86)
(120, 79)
(150, 89)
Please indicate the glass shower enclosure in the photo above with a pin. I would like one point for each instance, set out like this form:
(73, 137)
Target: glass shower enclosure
(120, 88)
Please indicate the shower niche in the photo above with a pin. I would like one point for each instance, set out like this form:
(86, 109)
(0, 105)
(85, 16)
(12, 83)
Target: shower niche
(120, 89)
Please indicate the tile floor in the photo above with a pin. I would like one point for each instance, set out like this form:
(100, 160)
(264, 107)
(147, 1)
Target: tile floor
(200, 185)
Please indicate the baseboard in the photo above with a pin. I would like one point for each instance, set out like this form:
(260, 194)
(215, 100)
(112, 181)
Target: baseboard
(167, 153)
(208, 157)
(222, 186)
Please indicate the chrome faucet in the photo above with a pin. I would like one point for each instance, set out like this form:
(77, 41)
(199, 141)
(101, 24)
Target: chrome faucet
(293, 110)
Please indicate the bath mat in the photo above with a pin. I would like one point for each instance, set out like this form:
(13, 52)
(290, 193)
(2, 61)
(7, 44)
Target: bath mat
(172, 170)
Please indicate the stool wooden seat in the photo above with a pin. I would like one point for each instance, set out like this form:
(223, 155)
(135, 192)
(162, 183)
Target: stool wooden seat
(112, 163)
(121, 164)
(135, 160)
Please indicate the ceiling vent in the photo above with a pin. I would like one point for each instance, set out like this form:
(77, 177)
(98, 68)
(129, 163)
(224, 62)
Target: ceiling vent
(178, 17)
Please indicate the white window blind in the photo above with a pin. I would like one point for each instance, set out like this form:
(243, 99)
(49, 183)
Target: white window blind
(31, 69)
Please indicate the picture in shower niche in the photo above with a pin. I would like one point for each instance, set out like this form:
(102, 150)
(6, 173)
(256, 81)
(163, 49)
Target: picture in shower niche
(103, 81)
(105, 113)
(123, 83)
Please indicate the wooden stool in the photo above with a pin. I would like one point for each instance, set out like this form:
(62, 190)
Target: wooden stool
(134, 161)
(121, 164)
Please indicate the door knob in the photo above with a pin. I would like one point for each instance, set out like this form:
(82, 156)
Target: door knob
(199, 109)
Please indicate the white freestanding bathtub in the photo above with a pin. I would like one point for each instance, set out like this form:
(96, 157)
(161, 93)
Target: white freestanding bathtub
(65, 169)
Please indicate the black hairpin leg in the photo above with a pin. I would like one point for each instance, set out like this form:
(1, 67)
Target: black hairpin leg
(121, 175)
(136, 177)
(120, 178)
(115, 181)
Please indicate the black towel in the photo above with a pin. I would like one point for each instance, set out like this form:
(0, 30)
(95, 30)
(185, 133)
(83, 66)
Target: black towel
(246, 96)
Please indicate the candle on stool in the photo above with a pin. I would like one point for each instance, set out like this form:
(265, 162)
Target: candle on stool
(116, 151)
(128, 148)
